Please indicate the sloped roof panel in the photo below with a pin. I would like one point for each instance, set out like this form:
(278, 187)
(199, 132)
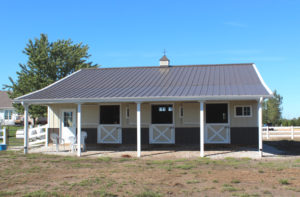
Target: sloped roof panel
(172, 81)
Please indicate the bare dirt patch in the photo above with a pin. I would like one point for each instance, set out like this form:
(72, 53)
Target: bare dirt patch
(49, 175)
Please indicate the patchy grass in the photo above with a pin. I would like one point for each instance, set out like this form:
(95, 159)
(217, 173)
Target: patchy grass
(229, 188)
(105, 159)
(148, 194)
(103, 193)
(193, 181)
(50, 175)
(42, 193)
(284, 182)
(235, 181)
(185, 166)
(9, 193)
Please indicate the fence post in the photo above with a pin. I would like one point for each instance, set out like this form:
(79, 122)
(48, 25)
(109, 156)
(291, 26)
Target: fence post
(4, 135)
(292, 134)
(268, 132)
(46, 137)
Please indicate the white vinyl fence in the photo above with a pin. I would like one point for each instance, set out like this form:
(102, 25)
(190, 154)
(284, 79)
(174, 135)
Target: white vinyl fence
(38, 135)
(3, 135)
(281, 132)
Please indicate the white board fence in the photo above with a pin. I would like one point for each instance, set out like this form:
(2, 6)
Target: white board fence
(281, 132)
(38, 135)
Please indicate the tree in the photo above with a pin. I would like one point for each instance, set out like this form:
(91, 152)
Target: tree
(272, 109)
(47, 63)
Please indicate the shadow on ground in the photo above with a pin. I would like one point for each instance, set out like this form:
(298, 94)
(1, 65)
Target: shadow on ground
(286, 147)
(271, 148)
(174, 148)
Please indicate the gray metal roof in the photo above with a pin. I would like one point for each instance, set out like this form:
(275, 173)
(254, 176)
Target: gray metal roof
(164, 58)
(5, 101)
(159, 82)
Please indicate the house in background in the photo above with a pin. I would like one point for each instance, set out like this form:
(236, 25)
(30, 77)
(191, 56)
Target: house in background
(179, 105)
(8, 114)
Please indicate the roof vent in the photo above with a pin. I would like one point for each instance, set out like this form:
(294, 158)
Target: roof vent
(164, 61)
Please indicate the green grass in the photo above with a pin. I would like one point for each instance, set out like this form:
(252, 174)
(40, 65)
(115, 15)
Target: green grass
(103, 193)
(284, 182)
(192, 182)
(42, 193)
(148, 194)
(235, 181)
(12, 140)
(185, 166)
(105, 159)
(9, 193)
(229, 188)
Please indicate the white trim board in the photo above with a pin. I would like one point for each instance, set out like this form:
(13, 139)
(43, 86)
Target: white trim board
(141, 99)
(261, 80)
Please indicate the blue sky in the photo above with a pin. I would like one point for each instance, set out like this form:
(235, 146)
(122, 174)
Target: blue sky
(135, 33)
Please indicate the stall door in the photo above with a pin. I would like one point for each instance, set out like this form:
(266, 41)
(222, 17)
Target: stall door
(217, 129)
(68, 126)
(162, 127)
(109, 129)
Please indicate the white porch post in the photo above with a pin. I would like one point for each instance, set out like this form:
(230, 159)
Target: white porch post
(201, 129)
(25, 127)
(79, 129)
(48, 126)
(260, 141)
(138, 128)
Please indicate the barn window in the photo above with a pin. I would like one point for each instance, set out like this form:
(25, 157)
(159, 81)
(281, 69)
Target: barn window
(243, 111)
(162, 114)
(109, 114)
(217, 113)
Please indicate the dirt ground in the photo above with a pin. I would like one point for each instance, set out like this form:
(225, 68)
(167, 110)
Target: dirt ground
(54, 175)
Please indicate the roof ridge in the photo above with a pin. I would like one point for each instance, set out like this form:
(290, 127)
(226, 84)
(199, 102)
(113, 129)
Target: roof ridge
(171, 66)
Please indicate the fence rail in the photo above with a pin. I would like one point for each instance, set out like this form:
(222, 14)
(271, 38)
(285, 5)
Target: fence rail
(3, 135)
(38, 135)
(281, 132)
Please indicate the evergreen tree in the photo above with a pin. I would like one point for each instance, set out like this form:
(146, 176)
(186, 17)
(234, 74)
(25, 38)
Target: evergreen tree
(272, 109)
(47, 63)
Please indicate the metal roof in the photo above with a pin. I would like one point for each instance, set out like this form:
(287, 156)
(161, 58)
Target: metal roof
(164, 58)
(222, 80)
(5, 101)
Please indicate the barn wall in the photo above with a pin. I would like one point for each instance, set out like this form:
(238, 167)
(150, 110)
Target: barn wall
(243, 121)
(187, 127)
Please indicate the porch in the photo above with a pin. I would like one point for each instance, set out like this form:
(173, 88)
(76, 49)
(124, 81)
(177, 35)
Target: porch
(148, 125)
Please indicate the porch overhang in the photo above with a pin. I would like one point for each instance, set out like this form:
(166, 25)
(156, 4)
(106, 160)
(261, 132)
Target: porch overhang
(141, 99)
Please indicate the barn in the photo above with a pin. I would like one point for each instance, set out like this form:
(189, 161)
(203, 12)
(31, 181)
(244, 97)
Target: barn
(165, 104)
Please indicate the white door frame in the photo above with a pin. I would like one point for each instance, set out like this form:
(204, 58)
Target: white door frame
(73, 110)
(216, 132)
(101, 127)
(153, 127)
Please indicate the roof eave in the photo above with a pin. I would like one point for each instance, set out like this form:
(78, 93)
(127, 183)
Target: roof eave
(141, 99)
